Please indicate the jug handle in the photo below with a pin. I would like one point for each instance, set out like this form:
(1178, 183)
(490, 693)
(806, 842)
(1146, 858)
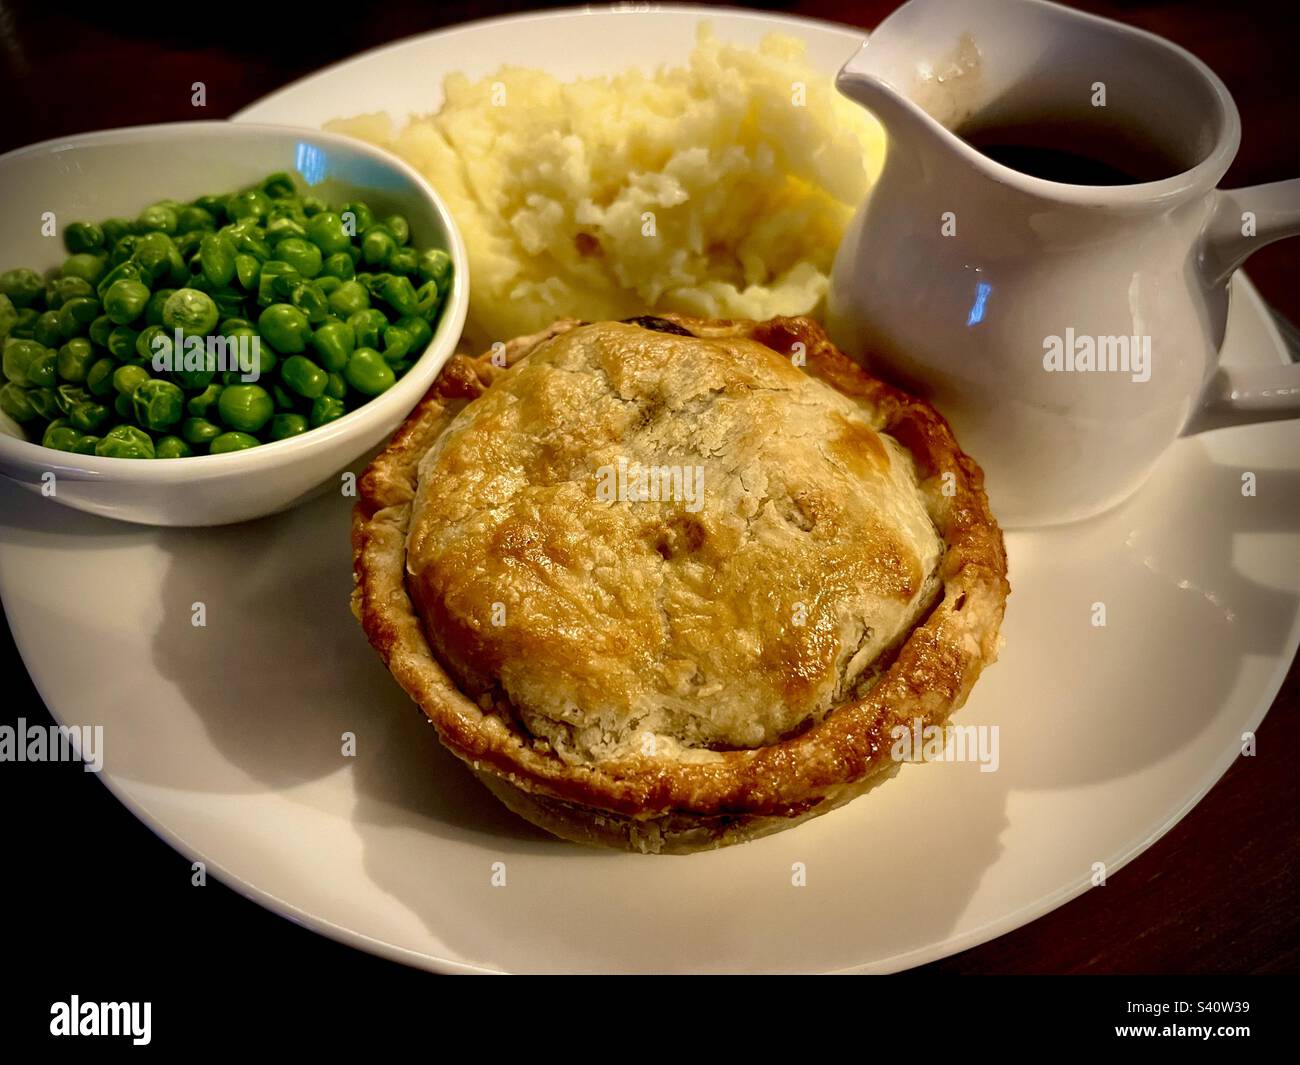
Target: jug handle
(1240, 395)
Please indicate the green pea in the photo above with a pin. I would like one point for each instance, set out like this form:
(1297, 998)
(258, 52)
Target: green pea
(327, 284)
(435, 266)
(191, 311)
(302, 255)
(99, 378)
(250, 204)
(100, 328)
(279, 185)
(282, 227)
(193, 217)
(377, 246)
(122, 404)
(23, 326)
(126, 379)
(122, 250)
(404, 261)
(159, 259)
(8, 315)
(229, 302)
(397, 225)
(18, 358)
(349, 298)
(368, 327)
(247, 271)
(334, 341)
(285, 328)
(245, 407)
(67, 396)
(267, 360)
(303, 376)
(14, 402)
(125, 301)
(115, 229)
(187, 244)
(121, 343)
(154, 341)
(217, 258)
(397, 343)
(326, 230)
(42, 369)
(60, 435)
(125, 442)
(89, 417)
(276, 280)
(399, 293)
(284, 285)
(199, 431)
(313, 205)
(325, 409)
(90, 268)
(63, 289)
(172, 447)
(357, 216)
(427, 298)
(421, 332)
(21, 285)
(338, 265)
(232, 442)
(153, 310)
(160, 216)
(81, 237)
(127, 271)
(249, 241)
(214, 205)
(76, 315)
(283, 400)
(262, 362)
(74, 359)
(283, 426)
(46, 330)
(158, 404)
(309, 299)
(202, 405)
(336, 386)
(44, 401)
(367, 372)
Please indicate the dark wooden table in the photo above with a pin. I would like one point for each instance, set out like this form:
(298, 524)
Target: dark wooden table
(1220, 893)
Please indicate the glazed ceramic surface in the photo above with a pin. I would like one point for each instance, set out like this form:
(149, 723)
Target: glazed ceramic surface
(1108, 734)
(117, 173)
(985, 288)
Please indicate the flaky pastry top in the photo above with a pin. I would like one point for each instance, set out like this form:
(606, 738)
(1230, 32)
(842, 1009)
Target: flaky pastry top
(644, 540)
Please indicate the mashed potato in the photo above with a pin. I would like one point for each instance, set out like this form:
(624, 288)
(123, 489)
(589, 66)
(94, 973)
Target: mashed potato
(720, 188)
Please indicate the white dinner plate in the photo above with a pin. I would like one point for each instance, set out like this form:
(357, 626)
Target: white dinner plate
(227, 739)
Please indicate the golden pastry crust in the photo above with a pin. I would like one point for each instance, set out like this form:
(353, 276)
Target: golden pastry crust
(492, 502)
(639, 540)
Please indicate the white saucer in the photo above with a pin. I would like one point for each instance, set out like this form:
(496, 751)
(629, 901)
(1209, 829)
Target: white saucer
(226, 739)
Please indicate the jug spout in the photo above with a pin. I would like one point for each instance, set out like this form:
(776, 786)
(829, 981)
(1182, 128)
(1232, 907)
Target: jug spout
(936, 72)
(906, 81)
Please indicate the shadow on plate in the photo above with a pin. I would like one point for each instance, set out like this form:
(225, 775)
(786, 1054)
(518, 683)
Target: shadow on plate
(1144, 696)
(280, 672)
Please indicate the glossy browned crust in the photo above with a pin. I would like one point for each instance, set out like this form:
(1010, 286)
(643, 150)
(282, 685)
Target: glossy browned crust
(929, 678)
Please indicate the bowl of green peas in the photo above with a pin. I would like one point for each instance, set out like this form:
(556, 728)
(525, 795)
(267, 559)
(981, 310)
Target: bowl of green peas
(205, 322)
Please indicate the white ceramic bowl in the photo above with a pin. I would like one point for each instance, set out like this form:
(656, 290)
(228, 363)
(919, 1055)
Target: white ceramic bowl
(116, 173)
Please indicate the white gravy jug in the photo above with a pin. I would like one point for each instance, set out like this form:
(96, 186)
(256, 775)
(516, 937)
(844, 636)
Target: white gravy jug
(1068, 331)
